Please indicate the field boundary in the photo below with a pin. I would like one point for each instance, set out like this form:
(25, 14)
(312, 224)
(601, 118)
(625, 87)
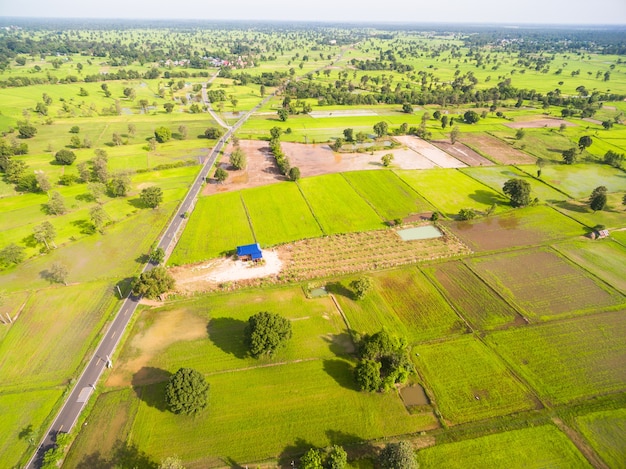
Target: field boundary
(308, 204)
(245, 209)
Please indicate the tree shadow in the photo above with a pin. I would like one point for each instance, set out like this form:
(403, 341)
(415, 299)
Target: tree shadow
(85, 227)
(342, 372)
(337, 288)
(128, 455)
(230, 462)
(337, 437)
(227, 334)
(85, 197)
(47, 275)
(487, 197)
(30, 241)
(94, 461)
(149, 385)
(26, 432)
(293, 451)
(341, 344)
(137, 203)
(566, 205)
(142, 259)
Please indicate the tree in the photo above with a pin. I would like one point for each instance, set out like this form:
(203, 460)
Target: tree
(117, 139)
(569, 156)
(361, 287)
(520, 134)
(171, 462)
(454, 134)
(129, 93)
(132, 129)
(75, 129)
(96, 189)
(437, 115)
(467, 214)
(169, 107)
(187, 392)
(120, 184)
(624, 201)
(407, 108)
(58, 273)
(518, 191)
(15, 170)
(153, 283)
(238, 158)
(65, 157)
(162, 134)
(337, 458)
(444, 122)
(381, 129)
(607, 124)
(44, 234)
(397, 456)
(151, 196)
(56, 204)
(27, 131)
(12, 254)
(471, 117)
(361, 137)
(83, 171)
(213, 133)
(584, 142)
(387, 159)
(221, 175)
(99, 217)
(614, 159)
(276, 132)
(265, 333)
(597, 199)
(183, 131)
(157, 256)
(367, 375)
(294, 173)
(100, 166)
(42, 181)
(348, 134)
(312, 459)
(283, 114)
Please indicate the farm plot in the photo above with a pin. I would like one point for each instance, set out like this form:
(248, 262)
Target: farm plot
(429, 151)
(463, 153)
(495, 149)
(495, 177)
(310, 401)
(403, 297)
(336, 205)
(530, 448)
(613, 215)
(450, 190)
(606, 259)
(579, 180)
(469, 381)
(211, 234)
(568, 360)
(533, 123)
(479, 304)
(390, 196)
(606, 431)
(544, 285)
(521, 227)
(280, 214)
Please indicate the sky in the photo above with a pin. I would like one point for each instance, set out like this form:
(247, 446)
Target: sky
(405, 11)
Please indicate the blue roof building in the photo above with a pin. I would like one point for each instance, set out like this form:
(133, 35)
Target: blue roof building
(250, 252)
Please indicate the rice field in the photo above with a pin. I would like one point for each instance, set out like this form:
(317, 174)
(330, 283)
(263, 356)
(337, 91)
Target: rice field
(606, 431)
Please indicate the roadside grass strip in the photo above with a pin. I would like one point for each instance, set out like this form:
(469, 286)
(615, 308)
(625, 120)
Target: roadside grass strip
(568, 360)
(530, 448)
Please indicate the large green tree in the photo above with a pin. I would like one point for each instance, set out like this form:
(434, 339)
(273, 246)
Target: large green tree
(381, 129)
(12, 254)
(397, 456)
(162, 134)
(45, 234)
(153, 283)
(238, 158)
(471, 117)
(151, 196)
(65, 157)
(187, 392)
(584, 142)
(518, 191)
(56, 204)
(597, 199)
(266, 332)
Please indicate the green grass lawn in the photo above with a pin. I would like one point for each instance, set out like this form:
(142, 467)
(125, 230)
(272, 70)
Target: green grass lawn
(336, 205)
(468, 381)
(218, 224)
(390, 196)
(568, 360)
(479, 304)
(280, 214)
(530, 448)
(557, 288)
(450, 190)
(606, 431)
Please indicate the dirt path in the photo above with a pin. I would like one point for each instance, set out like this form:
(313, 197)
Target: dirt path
(581, 444)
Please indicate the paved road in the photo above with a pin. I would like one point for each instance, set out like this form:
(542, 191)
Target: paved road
(79, 396)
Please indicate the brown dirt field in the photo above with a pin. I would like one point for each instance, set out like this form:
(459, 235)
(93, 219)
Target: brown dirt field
(429, 151)
(496, 149)
(538, 123)
(463, 153)
(167, 328)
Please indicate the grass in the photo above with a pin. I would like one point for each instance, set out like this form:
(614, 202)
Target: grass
(613, 215)
(568, 360)
(280, 214)
(468, 381)
(559, 288)
(21, 411)
(403, 301)
(390, 196)
(529, 448)
(604, 258)
(336, 205)
(606, 431)
(451, 190)
(218, 224)
(478, 303)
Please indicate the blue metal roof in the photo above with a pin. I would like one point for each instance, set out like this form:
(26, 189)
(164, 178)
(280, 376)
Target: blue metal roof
(252, 250)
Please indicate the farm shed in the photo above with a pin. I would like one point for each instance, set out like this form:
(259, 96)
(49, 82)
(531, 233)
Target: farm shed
(250, 252)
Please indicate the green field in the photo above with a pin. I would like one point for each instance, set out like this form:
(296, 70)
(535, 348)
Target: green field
(218, 224)
(403, 301)
(534, 448)
(533, 290)
(390, 196)
(478, 303)
(279, 214)
(451, 190)
(468, 381)
(613, 216)
(568, 360)
(336, 205)
(606, 431)
(579, 180)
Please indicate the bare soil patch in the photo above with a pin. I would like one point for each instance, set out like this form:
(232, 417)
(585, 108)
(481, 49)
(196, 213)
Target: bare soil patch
(429, 151)
(496, 149)
(538, 123)
(463, 153)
